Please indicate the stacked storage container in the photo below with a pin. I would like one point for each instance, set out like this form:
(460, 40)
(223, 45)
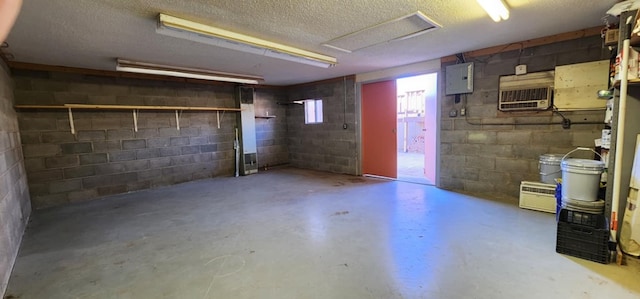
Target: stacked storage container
(583, 235)
(582, 228)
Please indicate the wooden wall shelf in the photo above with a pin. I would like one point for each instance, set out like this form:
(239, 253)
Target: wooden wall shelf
(135, 109)
(124, 107)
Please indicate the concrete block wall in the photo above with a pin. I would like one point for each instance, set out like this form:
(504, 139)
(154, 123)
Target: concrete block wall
(480, 155)
(326, 146)
(271, 133)
(15, 206)
(107, 156)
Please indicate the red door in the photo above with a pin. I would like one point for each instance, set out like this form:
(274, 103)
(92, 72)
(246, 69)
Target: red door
(379, 153)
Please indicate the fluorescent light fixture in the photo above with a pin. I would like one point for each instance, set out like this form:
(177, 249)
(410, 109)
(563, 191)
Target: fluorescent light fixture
(185, 29)
(183, 72)
(496, 9)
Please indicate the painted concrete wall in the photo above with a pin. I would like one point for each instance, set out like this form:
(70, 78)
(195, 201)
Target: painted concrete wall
(107, 156)
(327, 146)
(494, 159)
(271, 133)
(419, 68)
(15, 206)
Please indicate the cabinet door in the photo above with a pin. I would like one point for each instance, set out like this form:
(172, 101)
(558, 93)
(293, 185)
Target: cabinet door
(576, 85)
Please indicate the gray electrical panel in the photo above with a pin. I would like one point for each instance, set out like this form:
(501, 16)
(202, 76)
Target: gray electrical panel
(459, 78)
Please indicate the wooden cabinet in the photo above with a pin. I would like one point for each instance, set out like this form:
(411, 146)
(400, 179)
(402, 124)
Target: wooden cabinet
(576, 86)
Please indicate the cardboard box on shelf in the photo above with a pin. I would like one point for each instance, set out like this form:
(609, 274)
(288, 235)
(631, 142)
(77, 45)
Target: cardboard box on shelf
(633, 65)
(611, 37)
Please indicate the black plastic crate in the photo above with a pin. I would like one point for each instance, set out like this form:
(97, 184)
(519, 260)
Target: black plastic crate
(583, 241)
(583, 218)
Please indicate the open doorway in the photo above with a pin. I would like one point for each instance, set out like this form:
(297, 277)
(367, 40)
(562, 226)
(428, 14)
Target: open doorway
(416, 127)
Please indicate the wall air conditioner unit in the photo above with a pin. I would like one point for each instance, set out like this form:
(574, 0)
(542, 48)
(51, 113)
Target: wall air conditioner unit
(532, 91)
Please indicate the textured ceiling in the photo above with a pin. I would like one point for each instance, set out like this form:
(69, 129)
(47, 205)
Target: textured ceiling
(93, 33)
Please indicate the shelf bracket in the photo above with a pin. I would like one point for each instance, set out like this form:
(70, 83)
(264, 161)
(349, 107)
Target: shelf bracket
(218, 118)
(135, 120)
(178, 119)
(71, 124)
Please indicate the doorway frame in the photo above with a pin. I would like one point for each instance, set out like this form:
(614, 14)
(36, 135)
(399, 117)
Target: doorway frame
(423, 68)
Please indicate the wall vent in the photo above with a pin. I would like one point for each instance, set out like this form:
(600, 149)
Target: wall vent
(526, 92)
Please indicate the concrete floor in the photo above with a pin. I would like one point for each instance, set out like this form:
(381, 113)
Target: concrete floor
(411, 168)
(290, 233)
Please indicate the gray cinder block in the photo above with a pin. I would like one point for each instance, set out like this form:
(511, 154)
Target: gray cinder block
(76, 148)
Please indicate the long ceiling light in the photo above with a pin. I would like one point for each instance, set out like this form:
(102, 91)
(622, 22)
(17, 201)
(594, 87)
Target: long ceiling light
(185, 29)
(496, 9)
(183, 72)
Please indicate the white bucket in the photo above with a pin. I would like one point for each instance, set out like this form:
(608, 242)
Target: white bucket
(581, 179)
(549, 167)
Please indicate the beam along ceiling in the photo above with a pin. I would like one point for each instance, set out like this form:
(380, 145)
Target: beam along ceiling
(94, 33)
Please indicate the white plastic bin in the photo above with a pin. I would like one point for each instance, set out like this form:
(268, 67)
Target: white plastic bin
(549, 166)
(581, 179)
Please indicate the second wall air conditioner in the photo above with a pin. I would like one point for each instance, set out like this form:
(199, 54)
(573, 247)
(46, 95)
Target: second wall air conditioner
(526, 92)
(538, 196)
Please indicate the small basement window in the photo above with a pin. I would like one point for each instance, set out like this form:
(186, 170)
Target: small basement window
(312, 111)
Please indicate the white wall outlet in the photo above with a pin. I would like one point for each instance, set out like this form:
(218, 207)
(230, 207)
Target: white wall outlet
(521, 69)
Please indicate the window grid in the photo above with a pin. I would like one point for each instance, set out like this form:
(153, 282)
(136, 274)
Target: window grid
(313, 111)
